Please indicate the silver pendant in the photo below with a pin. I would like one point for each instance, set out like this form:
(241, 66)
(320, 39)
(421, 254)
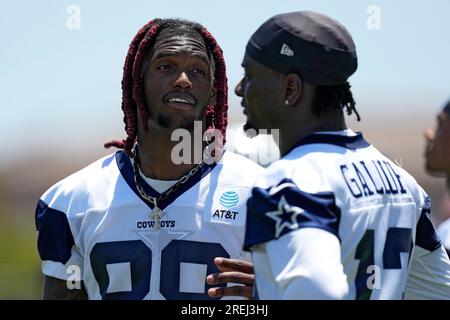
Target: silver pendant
(156, 215)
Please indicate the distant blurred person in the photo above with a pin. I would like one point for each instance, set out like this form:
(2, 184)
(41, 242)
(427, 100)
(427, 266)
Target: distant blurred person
(437, 156)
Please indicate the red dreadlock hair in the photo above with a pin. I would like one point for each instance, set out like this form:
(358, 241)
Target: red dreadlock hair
(133, 100)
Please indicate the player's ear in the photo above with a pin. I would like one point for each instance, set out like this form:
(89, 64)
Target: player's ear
(293, 89)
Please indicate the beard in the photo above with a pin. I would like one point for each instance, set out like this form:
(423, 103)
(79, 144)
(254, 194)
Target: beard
(166, 122)
(169, 121)
(249, 129)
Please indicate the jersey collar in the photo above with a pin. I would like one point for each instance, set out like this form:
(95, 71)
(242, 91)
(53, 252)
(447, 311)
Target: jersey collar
(352, 142)
(126, 169)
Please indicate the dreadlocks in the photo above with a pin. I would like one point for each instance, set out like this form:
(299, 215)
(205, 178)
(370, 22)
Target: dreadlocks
(133, 100)
(336, 97)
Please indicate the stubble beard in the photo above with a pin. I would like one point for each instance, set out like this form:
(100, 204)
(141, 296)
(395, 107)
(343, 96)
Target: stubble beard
(166, 123)
(250, 130)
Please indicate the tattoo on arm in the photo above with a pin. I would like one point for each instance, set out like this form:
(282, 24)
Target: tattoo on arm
(56, 289)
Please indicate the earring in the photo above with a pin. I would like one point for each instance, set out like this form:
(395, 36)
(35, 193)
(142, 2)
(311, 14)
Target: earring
(286, 102)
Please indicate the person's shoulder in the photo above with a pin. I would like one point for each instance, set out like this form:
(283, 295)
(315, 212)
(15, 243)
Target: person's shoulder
(79, 186)
(87, 175)
(232, 157)
(306, 170)
(236, 162)
(236, 170)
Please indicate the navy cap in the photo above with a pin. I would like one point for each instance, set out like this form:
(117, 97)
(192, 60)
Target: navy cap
(311, 44)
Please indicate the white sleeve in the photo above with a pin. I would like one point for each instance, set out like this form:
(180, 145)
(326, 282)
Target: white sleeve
(71, 270)
(429, 277)
(306, 264)
(60, 255)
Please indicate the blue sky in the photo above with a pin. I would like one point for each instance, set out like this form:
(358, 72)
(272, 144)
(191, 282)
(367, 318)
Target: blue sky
(61, 86)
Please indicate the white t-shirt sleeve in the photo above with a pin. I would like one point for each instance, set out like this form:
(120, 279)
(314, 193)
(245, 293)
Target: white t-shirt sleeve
(306, 264)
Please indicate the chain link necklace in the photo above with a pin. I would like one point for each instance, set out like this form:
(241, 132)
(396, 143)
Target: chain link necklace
(156, 214)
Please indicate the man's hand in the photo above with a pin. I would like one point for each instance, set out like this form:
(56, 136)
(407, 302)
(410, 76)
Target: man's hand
(232, 270)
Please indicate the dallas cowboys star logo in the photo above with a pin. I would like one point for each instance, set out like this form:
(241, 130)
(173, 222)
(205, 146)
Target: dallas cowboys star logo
(285, 216)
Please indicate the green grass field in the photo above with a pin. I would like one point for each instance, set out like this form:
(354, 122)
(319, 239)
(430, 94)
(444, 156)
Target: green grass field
(20, 275)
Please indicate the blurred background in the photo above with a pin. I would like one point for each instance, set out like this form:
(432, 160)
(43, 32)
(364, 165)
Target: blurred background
(61, 67)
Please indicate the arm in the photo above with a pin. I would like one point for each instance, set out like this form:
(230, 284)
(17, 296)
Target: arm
(58, 253)
(306, 264)
(232, 270)
(56, 289)
(429, 277)
(294, 236)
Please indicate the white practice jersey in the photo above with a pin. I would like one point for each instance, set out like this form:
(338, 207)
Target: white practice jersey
(335, 218)
(95, 225)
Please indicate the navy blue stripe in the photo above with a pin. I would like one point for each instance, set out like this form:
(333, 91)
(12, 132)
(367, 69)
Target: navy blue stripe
(55, 240)
(320, 211)
(426, 236)
(349, 142)
(126, 169)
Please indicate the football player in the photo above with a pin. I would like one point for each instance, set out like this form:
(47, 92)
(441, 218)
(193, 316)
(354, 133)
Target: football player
(136, 224)
(437, 158)
(333, 218)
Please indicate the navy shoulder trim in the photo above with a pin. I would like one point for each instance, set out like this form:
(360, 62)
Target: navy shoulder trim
(55, 239)
(426, 236)
(349, 142)
(283, 208)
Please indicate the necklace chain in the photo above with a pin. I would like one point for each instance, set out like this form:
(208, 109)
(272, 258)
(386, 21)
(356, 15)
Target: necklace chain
(165, 194)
